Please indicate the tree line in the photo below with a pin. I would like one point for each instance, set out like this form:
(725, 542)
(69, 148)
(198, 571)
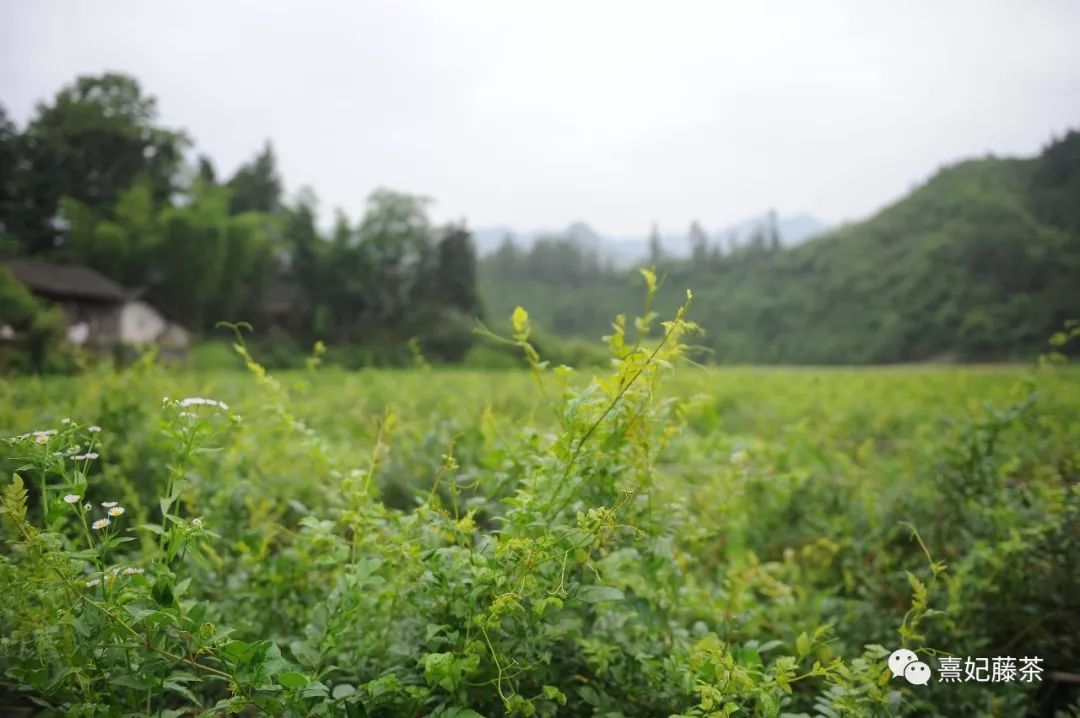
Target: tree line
(979, 263)
(564, 258)
(94, 178)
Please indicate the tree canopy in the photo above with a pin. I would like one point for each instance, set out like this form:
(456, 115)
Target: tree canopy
(94, 178)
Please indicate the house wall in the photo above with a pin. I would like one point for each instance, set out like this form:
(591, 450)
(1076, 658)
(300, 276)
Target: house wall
(175, 337)
(140, 323)
(101, 321)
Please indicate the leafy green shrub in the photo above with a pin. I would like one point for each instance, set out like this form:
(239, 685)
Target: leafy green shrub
(591, 547)
(38, 330)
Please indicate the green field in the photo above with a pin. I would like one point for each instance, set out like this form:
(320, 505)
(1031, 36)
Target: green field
(658, 539)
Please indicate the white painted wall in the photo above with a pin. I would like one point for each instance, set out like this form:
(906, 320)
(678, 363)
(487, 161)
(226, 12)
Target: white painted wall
(175, 337)
(140, 323)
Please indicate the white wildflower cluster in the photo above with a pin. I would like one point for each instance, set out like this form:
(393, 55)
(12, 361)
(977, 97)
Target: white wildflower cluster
(113, 573)
(201, 401)
(72, 499)
(112, 508)
(42, 437)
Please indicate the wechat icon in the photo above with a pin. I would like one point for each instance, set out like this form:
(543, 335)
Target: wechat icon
(903, 662)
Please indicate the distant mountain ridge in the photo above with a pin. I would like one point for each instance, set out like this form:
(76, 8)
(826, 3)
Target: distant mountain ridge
(624, 251)
(979, 263)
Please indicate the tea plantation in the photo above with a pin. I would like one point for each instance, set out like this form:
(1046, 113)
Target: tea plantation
(651, 539)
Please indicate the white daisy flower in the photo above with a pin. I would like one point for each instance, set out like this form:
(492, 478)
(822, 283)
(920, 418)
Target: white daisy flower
(100, 524)
(72, 499)
(41, 438)
(88, 456)
(202, 401)
(116, 511)
(93, 429)
(93, 582)
(108, 504)
(132, 570)
(65, 421)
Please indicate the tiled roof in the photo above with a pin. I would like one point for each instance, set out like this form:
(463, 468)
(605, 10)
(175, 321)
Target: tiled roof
(65, 280)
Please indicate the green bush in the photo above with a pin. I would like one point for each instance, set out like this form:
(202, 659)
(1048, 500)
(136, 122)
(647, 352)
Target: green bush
(39, 330)
(643, 542)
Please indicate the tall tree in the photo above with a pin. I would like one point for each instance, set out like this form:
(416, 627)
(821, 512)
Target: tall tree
(193, 255)
(91, 143)
(120, 241)
(396, 234)
(351, 278)
(456, 271)
(257, 185)
(656, 250)
(205, 170)
(305, 246)
(772, 231)
(8, 159)
(699, 242)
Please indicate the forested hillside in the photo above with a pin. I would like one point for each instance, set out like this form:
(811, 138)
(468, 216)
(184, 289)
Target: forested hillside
(982, 262)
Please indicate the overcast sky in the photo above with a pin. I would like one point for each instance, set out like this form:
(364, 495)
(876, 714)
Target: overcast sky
(537, 114)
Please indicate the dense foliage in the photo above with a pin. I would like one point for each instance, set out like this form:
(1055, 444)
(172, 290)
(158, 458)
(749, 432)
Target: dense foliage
(715, 543)
(36, 328)
(979, 263)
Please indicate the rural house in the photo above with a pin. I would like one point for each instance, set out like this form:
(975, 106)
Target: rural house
(100, 314)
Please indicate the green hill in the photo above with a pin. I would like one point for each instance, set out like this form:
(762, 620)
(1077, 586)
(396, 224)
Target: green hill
(982, 262)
